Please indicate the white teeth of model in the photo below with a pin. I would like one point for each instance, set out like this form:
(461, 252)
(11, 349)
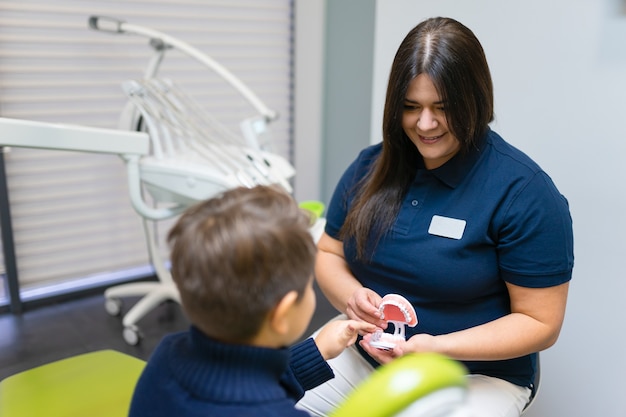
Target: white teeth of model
(400, 305)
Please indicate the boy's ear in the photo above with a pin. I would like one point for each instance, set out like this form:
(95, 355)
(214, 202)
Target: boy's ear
(279, 320)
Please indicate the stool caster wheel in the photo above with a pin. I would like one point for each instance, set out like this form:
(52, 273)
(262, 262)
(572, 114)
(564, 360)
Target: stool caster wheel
(113, 306)
(131, 335)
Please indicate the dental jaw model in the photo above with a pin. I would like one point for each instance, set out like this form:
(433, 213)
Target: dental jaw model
(395, 309)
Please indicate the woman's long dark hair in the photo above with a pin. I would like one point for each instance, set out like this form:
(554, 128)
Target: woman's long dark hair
(452, 57)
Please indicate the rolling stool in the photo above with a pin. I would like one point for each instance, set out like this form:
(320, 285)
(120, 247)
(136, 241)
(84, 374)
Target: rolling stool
(96, 384)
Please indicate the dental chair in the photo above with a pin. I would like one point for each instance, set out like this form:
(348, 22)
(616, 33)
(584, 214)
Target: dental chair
(187, 164)
(536, 385)
(192, 157)
(101, 384)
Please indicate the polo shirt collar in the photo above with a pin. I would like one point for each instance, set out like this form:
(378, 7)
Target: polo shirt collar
(456, 169)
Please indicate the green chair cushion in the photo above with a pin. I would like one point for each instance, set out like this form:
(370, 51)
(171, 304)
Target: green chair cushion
(316, 208)
(93, 384)
(395, 386)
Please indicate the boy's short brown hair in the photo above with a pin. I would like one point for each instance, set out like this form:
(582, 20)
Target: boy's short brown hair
(236, 255)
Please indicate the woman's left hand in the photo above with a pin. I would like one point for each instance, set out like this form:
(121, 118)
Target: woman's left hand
(381, 356)
(532, 326)
(417, 343)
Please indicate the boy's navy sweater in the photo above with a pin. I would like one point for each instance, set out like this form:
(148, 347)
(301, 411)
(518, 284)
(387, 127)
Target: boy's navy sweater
(192, 375)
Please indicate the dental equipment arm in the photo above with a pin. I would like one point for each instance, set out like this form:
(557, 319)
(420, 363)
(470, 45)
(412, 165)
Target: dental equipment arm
(109, 24)
(131, 146)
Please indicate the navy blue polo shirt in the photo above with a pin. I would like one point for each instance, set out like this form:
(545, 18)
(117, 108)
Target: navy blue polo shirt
(484, 218)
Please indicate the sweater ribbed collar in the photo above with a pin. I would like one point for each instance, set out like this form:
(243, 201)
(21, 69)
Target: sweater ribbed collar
(228, 373)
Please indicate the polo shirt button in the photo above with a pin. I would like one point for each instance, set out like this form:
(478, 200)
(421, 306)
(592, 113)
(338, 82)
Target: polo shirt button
(414, 203)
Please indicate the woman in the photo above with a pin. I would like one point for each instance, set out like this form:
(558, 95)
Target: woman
(446, 213)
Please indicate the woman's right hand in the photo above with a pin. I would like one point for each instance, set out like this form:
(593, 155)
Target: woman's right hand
(363, 305)
(341, 288)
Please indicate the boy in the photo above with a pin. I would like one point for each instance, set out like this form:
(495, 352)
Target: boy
(243, 263)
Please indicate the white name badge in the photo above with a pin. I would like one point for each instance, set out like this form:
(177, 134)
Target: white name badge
(447, 227)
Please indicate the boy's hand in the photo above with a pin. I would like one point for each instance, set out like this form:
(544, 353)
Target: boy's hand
(337, 335)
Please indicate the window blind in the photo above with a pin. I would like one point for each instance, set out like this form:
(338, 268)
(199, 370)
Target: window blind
(71, 211)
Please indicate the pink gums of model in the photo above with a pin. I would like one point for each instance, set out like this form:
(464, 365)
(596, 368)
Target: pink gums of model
(397, 310)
